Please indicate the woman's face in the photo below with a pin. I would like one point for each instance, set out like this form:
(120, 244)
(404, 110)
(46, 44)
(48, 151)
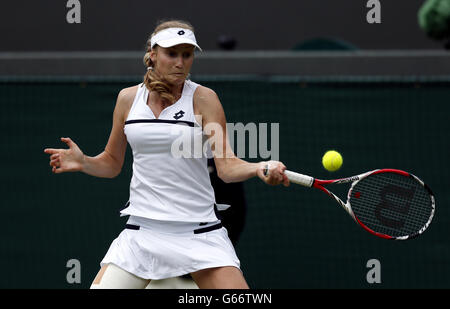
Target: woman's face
(174, 63)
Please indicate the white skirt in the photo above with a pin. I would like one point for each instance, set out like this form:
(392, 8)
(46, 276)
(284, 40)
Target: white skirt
(152, 249)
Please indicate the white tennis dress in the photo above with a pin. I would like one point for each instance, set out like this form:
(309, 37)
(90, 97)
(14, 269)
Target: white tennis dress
(173, 227)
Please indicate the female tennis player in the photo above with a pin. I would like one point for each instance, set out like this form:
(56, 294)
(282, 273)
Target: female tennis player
(172, 228)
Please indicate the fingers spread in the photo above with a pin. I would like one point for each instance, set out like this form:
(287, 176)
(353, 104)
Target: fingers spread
(51, 151)
(55, 162)
(67, 140)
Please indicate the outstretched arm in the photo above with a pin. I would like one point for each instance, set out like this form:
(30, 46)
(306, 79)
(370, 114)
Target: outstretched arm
(107, 164)
(229, 167)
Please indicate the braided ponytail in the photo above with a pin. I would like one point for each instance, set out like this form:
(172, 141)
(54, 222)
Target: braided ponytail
(153, 82)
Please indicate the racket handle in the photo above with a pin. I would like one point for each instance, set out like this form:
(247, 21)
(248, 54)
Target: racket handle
(300, 179)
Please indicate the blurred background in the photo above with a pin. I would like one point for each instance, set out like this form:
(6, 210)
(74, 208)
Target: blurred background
(256, 25)
(370, 79)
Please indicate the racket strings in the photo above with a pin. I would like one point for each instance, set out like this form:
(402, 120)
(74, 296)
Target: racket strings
(417, 216)
(391, 204)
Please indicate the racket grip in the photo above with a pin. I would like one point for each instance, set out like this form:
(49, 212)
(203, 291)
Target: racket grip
(300, 179)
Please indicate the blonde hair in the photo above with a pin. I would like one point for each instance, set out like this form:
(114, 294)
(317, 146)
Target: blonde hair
(152, 81)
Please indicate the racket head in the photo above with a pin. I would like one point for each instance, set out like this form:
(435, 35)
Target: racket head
(391, 204)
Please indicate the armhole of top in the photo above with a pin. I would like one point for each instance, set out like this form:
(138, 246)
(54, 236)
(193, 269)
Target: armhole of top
(139, 92)
(195, 87)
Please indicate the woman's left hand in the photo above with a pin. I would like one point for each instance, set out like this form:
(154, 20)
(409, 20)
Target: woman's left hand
(272, 173)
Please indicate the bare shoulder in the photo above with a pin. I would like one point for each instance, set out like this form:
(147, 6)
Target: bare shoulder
(125, 100)
(127, 94)
(206, 99)
(204, 93)
(208, 106)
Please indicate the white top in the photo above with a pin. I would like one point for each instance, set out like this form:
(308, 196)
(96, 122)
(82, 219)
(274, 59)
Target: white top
(170, 179)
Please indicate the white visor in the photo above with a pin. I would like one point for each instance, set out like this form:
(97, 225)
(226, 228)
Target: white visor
(174, 36)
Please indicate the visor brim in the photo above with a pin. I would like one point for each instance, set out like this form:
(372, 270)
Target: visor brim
(177, 41)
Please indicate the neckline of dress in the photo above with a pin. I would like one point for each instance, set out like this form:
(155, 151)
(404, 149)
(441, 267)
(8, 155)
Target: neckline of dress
(147, 93)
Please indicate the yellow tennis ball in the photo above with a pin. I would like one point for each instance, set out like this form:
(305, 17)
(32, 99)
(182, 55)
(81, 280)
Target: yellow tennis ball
(332, 160)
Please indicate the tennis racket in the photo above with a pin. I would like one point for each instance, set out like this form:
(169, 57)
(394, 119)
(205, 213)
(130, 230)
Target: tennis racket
(388, 203)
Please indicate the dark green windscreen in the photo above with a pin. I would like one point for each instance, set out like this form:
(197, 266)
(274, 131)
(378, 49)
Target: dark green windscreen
(293, 238)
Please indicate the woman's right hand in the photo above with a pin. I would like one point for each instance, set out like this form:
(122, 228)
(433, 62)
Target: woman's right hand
(66, 160)
(272, 173)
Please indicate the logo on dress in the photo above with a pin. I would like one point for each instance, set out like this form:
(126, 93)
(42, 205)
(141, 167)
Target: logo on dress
(181, 32)
(178, 115)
